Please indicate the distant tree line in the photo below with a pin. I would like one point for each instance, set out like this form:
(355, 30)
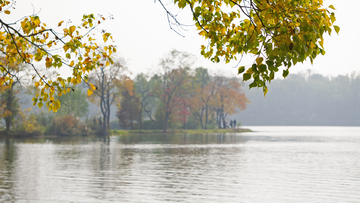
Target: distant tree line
(305, 99)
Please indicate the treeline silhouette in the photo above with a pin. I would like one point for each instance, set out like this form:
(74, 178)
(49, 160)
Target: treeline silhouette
(303, 99)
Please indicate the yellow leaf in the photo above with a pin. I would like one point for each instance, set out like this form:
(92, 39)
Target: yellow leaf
(72, 29)
(259, 60)
(107, 63)
(265, 90)
(89, 92)
(7, 12)
(92, 87)
(71, 63)
(37, 84)
(332, 7)
(48, 62)
(202, 33)
(60, 23)
(321, 42)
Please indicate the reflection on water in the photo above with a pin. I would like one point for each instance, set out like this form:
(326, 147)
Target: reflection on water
(274, 164)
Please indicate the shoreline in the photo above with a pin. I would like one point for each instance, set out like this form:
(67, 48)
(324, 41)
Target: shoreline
(200, 131)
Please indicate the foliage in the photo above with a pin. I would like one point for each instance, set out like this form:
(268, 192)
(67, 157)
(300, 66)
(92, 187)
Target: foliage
(129, 111)
(26, 125)
(172, 85)
(278, 32)
(9, 107)
(67, 126)
(95, 125)
(145, 96)
(227, 99)
(114, 125)
(74, 103)
(9, 103)
(29, 41)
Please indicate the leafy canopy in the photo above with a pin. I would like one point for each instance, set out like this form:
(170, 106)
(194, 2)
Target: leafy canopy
(277, 32)
(30, 41)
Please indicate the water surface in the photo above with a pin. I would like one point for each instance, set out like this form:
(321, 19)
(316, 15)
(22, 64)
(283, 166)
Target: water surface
(273, 164)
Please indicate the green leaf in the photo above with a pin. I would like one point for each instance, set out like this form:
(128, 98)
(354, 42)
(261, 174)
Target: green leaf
(270, 63)
(285, 73)
(272, 75)
(252, 85)
(337, 29)
(262, 68)
(246, 76)
(253, 67)
(241, 69)
(332, 7)
(259, 60)
(40, 104)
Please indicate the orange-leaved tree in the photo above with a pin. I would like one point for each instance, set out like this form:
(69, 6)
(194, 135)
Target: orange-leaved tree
(227, 98)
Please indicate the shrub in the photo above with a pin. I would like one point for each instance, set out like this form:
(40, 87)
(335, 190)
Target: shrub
(66, 126)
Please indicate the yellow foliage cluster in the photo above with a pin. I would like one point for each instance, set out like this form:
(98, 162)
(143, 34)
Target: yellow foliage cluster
(277, 32)
(80, 52)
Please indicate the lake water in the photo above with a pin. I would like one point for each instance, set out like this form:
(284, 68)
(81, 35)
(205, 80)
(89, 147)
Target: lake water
(273, 164)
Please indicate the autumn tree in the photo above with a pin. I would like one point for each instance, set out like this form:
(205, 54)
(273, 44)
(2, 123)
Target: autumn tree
(172, 82)
(227, 99)
(108, 82)
(31, 42)
(278, 33)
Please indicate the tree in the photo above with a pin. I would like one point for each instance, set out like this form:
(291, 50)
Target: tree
(173, 81)
(278, 32)
(109, 82)
(144, 96)
(8, 100)
(204, 92)
(10, 107)
(227, 99)
(149, 96)
(129, 111)
(74, 103)
(29, 41)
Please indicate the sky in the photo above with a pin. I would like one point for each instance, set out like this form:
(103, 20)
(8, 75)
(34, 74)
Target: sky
(142, 34)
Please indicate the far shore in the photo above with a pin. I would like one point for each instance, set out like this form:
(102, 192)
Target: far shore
(199, 131)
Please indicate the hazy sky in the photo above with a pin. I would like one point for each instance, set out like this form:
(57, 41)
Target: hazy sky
(142, 34)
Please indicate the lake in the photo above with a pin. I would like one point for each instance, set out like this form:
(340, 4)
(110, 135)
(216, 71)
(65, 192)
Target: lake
(273, 164)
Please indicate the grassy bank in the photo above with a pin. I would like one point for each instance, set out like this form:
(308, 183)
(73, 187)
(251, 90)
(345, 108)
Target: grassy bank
(200, 131)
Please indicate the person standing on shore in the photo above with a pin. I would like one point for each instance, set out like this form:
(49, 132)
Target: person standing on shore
(234, 123)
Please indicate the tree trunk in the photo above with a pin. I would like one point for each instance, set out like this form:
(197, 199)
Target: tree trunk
(140, 118)
(166, 121)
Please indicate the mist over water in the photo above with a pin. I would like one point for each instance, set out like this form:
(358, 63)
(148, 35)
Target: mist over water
(273, 164)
